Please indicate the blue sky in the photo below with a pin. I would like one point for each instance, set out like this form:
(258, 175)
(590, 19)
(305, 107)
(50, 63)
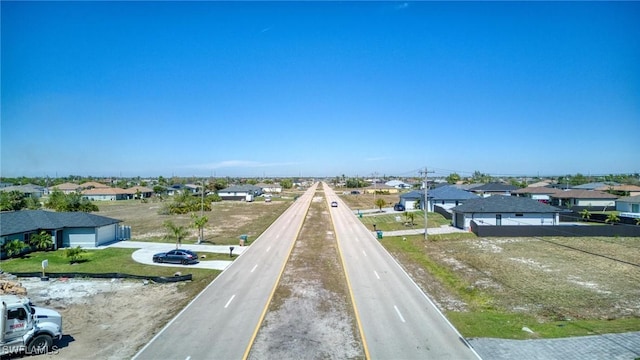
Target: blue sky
(319, 88)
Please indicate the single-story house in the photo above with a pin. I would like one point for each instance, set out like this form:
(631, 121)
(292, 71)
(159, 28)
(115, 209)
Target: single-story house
(595, 185)
(66, 188)
(629, 206)
(106, 194)
(540, 193)
(270, 188)
(413, 200)
(141, 191)
(586, 198)
(447, 197)
(30, 190)
(240, 192)
(93, 184)
(68, 229)
(504, 210)
(398, 184)
(380, 188)
(176, 189)
(494, 189)
(625, 190)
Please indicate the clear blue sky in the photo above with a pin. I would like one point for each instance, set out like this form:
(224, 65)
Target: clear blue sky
(319, 88)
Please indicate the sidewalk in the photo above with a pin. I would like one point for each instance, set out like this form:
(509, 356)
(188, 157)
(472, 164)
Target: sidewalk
(444, 229)
(625, 346)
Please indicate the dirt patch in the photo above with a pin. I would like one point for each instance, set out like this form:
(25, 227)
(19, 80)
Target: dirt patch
(108, 319)
(311, 315)
(227, 219)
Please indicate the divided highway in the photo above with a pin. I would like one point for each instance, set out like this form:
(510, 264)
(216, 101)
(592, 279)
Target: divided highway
(222, 321)
(396, 318)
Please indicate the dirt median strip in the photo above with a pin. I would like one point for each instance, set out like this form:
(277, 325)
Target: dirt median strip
(311, 313)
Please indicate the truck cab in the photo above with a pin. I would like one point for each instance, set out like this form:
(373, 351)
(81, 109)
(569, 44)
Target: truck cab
(27, 328)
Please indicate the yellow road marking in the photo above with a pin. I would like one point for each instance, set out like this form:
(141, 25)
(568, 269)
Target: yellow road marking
(273, 291)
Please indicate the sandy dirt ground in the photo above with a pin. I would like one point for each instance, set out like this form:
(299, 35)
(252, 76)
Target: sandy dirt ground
(104, 319)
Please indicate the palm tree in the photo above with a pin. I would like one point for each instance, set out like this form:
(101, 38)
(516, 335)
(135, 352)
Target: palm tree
(175, 232)
(42, 241)
(14, 247)
(612, 218)
(586, 215)
(199, 222)
(410, 216)
(380, 203)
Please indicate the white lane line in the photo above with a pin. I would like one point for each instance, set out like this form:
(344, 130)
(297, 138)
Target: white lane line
(230, 300)
(365, 254)
(378, 276)
(269, 248)
(399, 313)
(254, 267)
(188, 358)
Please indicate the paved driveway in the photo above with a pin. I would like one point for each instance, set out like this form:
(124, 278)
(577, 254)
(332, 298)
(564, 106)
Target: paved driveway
(144, 254)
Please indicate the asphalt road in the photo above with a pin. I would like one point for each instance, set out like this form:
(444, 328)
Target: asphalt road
(397, 320)
(222, 321)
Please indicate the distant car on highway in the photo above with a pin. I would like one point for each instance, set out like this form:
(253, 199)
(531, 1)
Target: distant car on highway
(398, 207)
(177, 256)
(334, 204)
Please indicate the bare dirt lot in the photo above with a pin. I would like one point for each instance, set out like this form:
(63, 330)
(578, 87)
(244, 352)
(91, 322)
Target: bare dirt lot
(104, 319)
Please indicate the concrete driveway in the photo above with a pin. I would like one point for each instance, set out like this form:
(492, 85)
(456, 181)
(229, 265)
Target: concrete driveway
(144, 254)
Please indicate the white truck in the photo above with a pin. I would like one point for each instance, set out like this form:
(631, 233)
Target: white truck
(26, 328)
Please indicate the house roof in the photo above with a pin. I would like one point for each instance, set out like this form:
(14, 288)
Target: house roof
(583, 194)
(105, 191)
(495, 187)
(142, 189)
(15, 222)
(633, 188)
(413, 195)
(595, 185)
(27, 188)
(241, 188)
(630, 199)
(93, 184)
(536, 190)
(449, 193)
(66, 186)
(504, 204)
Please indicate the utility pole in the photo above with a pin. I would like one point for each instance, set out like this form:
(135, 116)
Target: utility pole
(426, 202)
(375, 174)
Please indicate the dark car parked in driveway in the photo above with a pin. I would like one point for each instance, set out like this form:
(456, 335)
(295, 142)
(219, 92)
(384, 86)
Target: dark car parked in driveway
(177, 256)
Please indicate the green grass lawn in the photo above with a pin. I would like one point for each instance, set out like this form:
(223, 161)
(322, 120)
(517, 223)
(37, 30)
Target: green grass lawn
(110, 260)
(389, 222)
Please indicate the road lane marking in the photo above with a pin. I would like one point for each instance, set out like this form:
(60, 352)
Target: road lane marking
(399, 313)
(254, 268)
(378, 276)
(364, 252)
(229, 302)
(188, 358)
(269, 248)
(365, 346)
(245, 356)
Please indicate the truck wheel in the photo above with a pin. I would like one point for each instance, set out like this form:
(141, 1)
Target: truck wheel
(40, 344)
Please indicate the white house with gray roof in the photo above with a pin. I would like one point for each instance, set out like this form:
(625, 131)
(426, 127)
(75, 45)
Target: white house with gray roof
(504, 210)
(240, 192)
(448, 197)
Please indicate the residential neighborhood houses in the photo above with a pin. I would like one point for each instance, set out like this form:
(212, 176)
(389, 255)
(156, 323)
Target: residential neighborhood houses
(469, 206)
